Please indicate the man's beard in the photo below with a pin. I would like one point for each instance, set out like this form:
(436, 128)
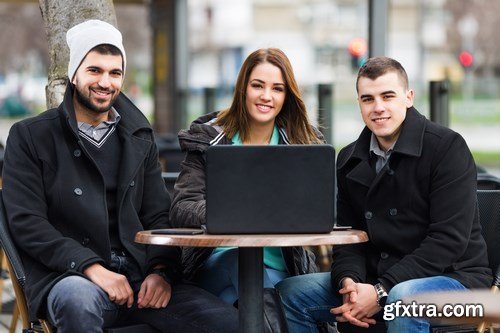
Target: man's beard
(85, 100)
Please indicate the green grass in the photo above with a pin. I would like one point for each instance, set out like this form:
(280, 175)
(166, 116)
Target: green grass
(485, 158)
(475, 111)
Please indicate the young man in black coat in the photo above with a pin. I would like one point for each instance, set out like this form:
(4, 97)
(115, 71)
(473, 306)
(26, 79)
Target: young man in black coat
(80, 181)
(411, 185)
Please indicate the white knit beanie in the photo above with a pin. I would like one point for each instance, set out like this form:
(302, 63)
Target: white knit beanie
(85, 36)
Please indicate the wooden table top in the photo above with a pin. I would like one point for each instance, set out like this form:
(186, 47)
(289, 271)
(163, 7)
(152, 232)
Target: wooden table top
(206, 240)
(489, 300)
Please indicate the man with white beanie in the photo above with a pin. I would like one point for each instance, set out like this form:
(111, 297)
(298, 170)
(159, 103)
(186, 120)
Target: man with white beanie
(80, 181)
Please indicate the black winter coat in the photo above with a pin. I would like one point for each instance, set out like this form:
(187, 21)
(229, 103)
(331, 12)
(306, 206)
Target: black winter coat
(420, 211)
(188, 203)
(55, 198)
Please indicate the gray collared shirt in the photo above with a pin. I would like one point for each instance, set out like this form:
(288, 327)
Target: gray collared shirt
(100, 131)
(382, 156)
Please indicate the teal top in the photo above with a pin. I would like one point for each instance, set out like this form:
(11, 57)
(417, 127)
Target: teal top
(273, 257)
(275, 138)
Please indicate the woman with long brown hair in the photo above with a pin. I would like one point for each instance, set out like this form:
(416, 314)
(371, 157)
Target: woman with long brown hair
(267, 108)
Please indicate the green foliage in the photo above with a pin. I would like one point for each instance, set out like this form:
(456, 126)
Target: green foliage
(487, 158)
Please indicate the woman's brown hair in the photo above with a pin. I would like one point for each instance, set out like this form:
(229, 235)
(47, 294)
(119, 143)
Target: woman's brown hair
(293, 115)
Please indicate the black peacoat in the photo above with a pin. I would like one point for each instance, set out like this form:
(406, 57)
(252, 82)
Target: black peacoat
(420, 210)
(55, 198)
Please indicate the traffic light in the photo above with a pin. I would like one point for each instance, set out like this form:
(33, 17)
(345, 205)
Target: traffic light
(466, 59)
(357, 48)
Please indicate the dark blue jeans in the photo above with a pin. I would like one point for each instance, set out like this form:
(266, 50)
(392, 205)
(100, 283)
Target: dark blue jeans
(307, 299)
(76, 304)
(219, 275)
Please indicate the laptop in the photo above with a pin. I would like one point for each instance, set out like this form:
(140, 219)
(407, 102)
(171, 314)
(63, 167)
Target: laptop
(279, 189)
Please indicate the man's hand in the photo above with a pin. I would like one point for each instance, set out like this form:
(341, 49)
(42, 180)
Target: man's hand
(155, 292)
(114, 284)
(360, 304)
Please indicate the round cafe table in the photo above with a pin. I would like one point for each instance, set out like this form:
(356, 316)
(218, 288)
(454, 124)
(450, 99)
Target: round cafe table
(250, 260)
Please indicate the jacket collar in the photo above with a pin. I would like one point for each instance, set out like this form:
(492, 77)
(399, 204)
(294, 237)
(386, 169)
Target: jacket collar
(133, 129)
(411, 139)
(409, 143)
(203, 133)
(132, 118)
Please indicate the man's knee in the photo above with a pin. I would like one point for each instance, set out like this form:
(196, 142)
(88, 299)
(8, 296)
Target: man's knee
(407, 288)
(290, 288)
(304, 286)
(399, 291)
(74, 294)
(428, 284)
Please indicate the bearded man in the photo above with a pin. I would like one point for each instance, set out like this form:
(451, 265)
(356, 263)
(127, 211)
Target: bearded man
(80, 181)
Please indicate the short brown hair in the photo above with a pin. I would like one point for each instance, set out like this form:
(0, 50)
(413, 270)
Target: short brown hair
(293, 115)
(107, 49)
(378, 66)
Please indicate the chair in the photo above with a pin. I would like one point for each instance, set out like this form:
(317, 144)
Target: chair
(170, 153)
(489, 216)
(169, 178)
(16, 272)
(487, 181)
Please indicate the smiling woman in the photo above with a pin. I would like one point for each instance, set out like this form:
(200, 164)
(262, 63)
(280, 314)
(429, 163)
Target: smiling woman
(267, 108)
(265, 97)
(267, 79)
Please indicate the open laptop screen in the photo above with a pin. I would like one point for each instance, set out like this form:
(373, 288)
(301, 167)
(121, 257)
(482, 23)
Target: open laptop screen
(270, 189)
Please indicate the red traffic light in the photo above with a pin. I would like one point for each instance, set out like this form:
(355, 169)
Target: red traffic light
(466, 59)
(357, 47)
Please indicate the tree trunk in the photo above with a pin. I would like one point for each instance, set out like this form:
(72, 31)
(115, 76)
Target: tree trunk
(59, 16)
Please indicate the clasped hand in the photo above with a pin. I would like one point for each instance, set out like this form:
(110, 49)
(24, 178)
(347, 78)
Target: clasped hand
(359, 304)
(155, 292)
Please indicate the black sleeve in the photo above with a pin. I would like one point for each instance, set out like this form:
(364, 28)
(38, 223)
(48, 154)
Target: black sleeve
(188, 206)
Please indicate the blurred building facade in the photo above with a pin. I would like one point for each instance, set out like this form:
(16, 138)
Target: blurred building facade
(425, 35)
(316, 34)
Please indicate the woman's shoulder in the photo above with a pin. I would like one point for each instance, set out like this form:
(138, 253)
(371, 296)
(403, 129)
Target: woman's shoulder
(207, 119)
(201, 133)
(285, 139)
(318, 134)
